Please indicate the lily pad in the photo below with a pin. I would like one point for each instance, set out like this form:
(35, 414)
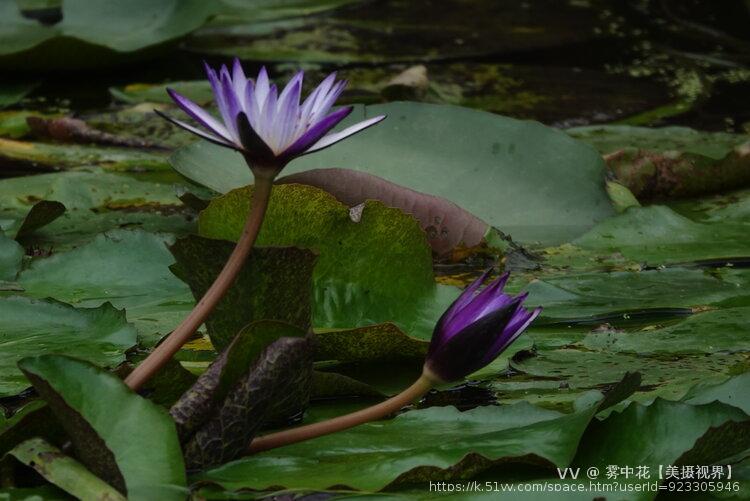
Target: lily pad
(530, 181)
(11, 255)
(129, 269)
(29, 326)
(657, 235)
(634, 442)
(671, 162)
(53, 157)
(439, 443)
(350, 287)
(134, 449)
(90, 34)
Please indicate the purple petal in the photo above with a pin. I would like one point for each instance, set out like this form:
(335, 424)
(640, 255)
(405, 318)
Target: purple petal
(231, 103)
(267, 113)
(315, 132)
(324, 103)
(487, 301)
(197, 132)
(334, 138)
(239, 82)
(199, 115)
(286, 115)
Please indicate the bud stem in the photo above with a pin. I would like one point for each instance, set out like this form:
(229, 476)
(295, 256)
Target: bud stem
(164, 352)
(381, 410)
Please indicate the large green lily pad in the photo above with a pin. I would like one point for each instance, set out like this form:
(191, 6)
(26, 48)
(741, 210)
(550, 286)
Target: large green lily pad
(129, 269)
(657, 235)
(439, 443)
(530, 181)
(352, 288)
(92, 33)
(32, 327)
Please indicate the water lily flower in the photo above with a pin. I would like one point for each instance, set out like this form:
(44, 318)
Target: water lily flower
(475, 329)
(268, 127)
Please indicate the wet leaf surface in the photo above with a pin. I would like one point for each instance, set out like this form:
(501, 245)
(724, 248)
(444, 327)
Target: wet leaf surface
(36, 326)
(265, 375)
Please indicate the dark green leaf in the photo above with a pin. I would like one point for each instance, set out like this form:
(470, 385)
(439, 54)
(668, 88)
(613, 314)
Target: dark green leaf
(274, 284)
(277, 385)
(439, 443)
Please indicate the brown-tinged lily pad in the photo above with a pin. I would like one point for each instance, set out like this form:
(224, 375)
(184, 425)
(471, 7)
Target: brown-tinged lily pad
(671, 162)
(446, 224)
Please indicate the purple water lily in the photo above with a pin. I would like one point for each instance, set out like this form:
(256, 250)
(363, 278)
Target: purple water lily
(269, 128)
(475, 329)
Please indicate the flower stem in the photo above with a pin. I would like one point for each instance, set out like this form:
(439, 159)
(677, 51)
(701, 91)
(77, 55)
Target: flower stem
(393, 404)
(164, 352)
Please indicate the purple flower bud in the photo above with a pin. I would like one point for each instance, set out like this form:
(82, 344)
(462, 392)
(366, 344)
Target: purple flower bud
(475, 329)
(269, 128)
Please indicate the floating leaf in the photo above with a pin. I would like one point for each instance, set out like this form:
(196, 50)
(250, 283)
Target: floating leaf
(129, 269)
(439, 443)
(122, 438)
(53, 157)
(63, 471)
(11, 255)
(198, 91)
(657, 235)
(530, 181)
(274, 284)
(91, 34)
(30, 326)
(351, 287)
(651, 435)
(669, 162)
